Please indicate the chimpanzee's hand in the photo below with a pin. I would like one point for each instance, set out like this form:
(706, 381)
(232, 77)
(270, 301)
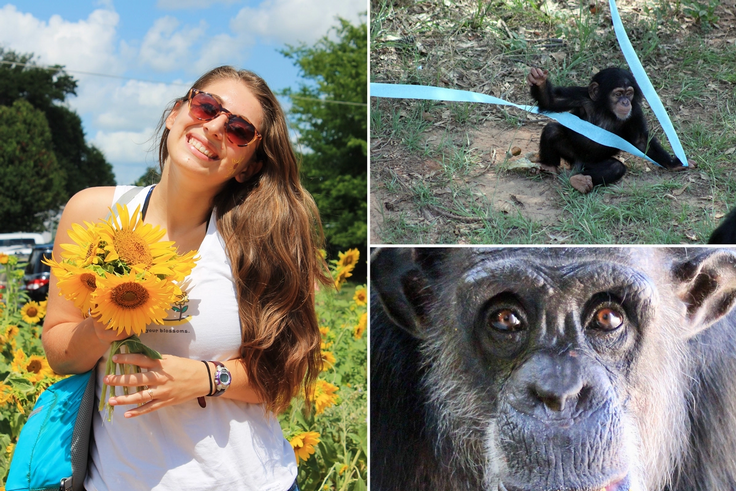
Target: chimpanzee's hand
(537, 77)
(679, 167)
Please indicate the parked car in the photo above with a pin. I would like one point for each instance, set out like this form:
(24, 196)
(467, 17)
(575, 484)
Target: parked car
(19, 244)
(36, 278)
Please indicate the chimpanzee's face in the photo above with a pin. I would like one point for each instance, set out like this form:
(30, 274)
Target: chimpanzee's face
(620, 100)
(548, 347)
(555, 342)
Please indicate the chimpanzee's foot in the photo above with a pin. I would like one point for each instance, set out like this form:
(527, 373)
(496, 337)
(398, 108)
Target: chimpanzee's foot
(582, 183)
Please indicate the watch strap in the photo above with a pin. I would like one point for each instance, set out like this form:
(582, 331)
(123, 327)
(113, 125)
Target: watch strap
(218, 371)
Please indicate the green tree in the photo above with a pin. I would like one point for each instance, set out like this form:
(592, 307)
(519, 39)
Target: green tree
(334, 134)
(46, 89)
(151, 176)
(32, 182)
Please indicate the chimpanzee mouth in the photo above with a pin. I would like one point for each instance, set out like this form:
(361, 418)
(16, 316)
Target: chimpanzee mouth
(618, 484)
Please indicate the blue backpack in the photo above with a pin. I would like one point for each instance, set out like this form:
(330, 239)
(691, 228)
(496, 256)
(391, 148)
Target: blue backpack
(53, 446)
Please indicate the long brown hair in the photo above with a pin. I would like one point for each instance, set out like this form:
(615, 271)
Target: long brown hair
(272, 235)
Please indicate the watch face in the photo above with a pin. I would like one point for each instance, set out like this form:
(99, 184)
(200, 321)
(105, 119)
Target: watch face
(224, 378)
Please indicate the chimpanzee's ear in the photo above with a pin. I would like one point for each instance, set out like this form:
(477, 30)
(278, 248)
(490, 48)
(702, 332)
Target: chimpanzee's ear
(706, 283)
(399, 278)
(593, 90)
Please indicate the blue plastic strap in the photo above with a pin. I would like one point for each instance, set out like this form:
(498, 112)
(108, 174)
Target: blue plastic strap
(645, 84)
(595, 133)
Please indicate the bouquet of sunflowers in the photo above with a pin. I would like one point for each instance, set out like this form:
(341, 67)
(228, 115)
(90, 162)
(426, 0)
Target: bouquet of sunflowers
(120, 272)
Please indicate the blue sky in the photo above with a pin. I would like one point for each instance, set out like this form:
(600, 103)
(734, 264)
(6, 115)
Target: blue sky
(158, 48)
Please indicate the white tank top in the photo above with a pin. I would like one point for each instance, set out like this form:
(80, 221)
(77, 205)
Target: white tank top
(228, 444)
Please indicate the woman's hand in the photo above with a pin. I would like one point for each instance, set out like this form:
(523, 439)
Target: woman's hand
(171, 380)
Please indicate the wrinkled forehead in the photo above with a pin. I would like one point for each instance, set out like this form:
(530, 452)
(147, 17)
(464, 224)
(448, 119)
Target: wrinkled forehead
(549, 270)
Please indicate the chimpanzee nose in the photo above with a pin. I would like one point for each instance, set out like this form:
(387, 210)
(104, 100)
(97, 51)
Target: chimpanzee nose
(558, 390)
(554, 381)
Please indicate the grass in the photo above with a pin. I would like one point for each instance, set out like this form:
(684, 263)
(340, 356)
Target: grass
(489, 47)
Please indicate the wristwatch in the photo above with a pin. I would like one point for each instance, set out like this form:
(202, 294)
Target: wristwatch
(222, 379)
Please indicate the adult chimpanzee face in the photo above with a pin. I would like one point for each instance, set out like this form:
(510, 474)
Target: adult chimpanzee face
(543, 369)
(554, 343)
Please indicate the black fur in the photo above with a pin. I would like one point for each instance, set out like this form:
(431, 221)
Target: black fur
(726, 231)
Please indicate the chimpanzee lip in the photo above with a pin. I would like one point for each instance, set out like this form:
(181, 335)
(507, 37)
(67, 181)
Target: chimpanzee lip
(617, 484)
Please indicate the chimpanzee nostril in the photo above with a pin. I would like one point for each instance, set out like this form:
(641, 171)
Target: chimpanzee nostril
(560, 385)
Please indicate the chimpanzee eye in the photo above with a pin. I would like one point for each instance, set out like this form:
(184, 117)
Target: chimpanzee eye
(607, 319)
(505, 320)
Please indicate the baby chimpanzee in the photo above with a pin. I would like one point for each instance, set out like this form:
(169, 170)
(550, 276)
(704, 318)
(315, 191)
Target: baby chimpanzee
(611, 101)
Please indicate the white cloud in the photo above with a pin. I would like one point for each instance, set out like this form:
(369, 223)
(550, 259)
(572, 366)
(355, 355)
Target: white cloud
(294, 21)
(190, 4)
(221, 49)
(164, 48)
(86, 45)
(125, 146)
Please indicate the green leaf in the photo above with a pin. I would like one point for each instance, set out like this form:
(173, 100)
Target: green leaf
(135, 345)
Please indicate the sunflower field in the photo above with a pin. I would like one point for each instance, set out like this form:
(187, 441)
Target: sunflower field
(330, 443)
(24, 371)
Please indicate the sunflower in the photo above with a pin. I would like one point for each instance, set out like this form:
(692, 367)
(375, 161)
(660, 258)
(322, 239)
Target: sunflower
(39, 367)
(184, 266)
(11, 331)
(6, 394)
(303, 445)
(348, 259)
(3, 258)
(86, 245)
(361, 296)
(32, 312)
(324, 395)
(78, 285)
(360, 328)
(324, 331)
(328, 359)
(342, 275)
(19, 360)
(129, 303)
(138, 245)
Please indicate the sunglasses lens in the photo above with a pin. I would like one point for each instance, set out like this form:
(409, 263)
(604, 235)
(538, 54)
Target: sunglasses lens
(240, 131)
(204, 106)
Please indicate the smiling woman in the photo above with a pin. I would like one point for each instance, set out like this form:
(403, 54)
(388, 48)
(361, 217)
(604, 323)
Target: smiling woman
(230, 190)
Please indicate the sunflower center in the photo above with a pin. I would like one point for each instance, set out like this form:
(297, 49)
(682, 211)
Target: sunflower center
(129, 295)
(32, 312)
(34, 366)
(88, 280)
(132, 248)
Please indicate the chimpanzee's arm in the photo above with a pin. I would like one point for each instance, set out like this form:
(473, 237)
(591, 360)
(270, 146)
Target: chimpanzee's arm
(559, 99)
